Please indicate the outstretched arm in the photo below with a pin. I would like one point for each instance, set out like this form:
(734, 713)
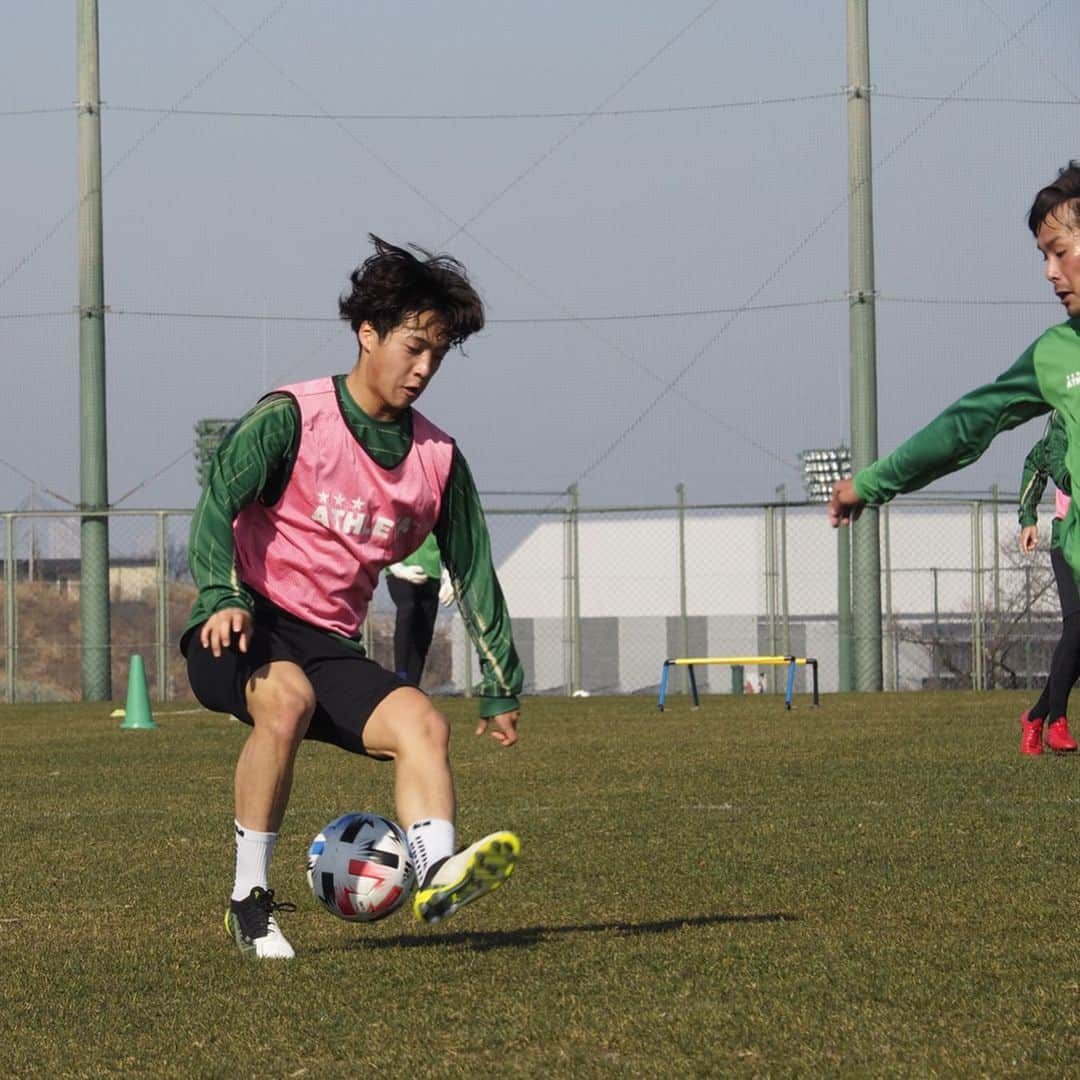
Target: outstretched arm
(955, 438)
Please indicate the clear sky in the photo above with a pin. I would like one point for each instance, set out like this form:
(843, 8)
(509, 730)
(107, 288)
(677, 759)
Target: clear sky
(650, 197)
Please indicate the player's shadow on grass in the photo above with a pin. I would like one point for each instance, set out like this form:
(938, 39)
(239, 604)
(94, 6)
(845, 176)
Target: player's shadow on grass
(483, 940)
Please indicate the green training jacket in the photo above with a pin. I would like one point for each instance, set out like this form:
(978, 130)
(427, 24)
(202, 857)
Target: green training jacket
(254, 461)
(1045, 377)
(1045, 461)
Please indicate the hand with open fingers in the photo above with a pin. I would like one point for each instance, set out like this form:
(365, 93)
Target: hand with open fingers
(1029, 538)
(219, 630)
(503, 727)
(414, 575)
(845, 504)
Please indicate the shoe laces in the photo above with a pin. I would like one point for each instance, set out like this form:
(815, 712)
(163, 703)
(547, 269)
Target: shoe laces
(259, 911)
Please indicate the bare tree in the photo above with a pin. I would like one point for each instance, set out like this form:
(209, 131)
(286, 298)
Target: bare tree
(1019, 627)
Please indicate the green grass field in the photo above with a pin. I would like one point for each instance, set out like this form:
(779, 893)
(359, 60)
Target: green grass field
(881, 886)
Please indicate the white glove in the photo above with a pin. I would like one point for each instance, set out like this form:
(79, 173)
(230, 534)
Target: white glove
(446, 589)
(414, 575)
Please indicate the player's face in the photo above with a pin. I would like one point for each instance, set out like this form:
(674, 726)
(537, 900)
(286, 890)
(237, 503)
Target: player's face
(394, 371)
(1059, 242)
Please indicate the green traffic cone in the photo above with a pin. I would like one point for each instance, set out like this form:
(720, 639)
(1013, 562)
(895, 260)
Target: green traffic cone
(137, 710)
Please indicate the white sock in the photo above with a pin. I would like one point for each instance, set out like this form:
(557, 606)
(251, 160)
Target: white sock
(253, 853)
(429, 841)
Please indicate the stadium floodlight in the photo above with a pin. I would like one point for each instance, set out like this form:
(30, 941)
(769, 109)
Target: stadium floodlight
(822, 468)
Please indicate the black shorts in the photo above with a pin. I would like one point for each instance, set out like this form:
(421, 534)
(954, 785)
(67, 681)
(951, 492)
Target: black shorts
(1066, 583)
(348, 686)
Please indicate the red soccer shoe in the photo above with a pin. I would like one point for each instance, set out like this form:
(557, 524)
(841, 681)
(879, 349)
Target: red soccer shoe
(1031, 739)
(1058, 738)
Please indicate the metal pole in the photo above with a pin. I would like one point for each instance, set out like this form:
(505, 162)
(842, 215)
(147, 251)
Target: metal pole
(770, 586)
(33, 534)
(10, 628)
(576, 586)
(162, 611)
(568, 605)
(977, 674)
(571, 597)
(844, 634)
(891, 682)
(94, 528)
(997, 553)
(785, 613)
(997, 636)
(866, 558)
(1028, 682)
(936, 665)
(684, 622)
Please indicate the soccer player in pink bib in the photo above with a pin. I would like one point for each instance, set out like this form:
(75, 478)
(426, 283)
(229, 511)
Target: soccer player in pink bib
(319, 488)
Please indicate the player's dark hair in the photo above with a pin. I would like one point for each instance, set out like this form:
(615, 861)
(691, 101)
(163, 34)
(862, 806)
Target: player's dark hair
(1064, 190)
(393, 284)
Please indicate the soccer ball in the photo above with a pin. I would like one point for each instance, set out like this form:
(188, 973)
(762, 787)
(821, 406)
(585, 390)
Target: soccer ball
(359, 868)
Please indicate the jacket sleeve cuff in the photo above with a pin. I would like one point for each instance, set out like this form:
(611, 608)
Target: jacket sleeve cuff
(238, 599)
(867, 487)
(496, 706)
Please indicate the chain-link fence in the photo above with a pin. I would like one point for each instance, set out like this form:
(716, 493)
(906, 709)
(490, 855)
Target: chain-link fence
(600, 597)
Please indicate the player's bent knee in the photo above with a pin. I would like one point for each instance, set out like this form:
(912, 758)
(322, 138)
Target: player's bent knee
(283, 711)
(286, 726)
(425, 726)
(409, 725)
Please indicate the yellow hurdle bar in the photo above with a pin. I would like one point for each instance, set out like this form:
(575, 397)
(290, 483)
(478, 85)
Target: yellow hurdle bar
(689, 663)
(761, 660)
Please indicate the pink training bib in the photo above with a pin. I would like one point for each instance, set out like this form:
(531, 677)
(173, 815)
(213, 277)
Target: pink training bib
(342, 518)
(1061, 504)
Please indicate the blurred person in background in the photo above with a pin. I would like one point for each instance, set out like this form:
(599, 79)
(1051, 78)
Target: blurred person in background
(417, 584)
(1046, 461)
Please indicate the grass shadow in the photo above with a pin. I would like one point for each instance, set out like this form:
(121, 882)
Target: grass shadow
(526, 937)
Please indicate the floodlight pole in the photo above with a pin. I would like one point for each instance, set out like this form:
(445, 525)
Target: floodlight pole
(94, 494)
(866, 554)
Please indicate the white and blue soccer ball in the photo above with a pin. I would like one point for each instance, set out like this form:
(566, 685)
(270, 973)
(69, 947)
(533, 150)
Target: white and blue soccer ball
(359, 867)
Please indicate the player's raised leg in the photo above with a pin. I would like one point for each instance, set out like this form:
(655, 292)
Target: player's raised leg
(407, 727)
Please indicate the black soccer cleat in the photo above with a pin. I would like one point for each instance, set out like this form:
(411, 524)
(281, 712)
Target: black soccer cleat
(253, 927)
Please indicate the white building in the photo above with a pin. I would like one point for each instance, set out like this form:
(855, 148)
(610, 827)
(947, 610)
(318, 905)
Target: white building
(758, 581)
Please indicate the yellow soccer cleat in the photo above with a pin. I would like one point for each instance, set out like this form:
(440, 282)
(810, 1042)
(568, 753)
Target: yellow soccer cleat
(466, 876)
